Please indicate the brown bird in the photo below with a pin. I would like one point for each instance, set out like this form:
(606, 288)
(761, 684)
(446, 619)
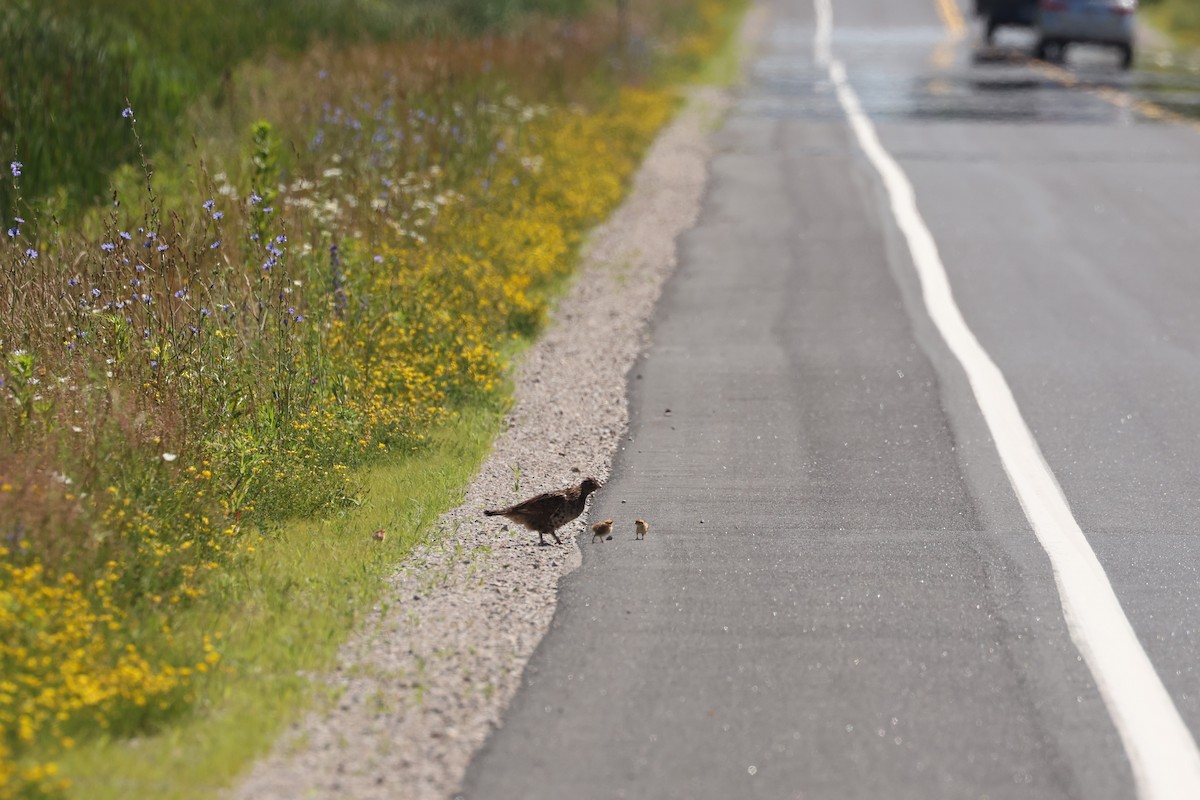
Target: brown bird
(549, 511)
(602, 530)
(379, 535)
(642, 527)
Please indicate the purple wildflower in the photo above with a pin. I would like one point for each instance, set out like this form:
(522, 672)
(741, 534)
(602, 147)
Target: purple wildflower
(16, 168)
(108, 247)
(31, 254)
(215, 245)
(218, 215)
(126, 112)
(125, 235)
(208, 204)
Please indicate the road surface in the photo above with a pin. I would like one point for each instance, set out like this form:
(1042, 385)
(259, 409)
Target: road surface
(841, 595)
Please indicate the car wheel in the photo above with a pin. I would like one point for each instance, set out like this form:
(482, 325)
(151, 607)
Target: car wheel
(1126, 56)
(1052, 51)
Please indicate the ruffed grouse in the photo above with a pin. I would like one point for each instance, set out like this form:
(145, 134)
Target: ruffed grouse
(549, 511)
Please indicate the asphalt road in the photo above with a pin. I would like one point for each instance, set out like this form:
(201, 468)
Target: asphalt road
(841, 596)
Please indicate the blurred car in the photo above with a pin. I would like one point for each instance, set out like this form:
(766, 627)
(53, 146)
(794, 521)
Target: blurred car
(1064, 22)
(998, 14)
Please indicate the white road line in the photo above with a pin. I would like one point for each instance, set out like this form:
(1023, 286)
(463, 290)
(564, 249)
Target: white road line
(1161, 750)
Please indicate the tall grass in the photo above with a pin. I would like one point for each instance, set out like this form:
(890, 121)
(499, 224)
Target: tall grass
(335, 270)
(67, 65)
(1178, 17)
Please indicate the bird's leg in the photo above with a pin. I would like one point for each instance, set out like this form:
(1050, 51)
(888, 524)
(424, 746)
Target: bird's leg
(556, 539)
(541, 539)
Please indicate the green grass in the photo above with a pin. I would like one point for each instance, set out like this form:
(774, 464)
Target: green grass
(283, 610)
(301, 592)
(725, 66)
(68, 66)
(1178, 18)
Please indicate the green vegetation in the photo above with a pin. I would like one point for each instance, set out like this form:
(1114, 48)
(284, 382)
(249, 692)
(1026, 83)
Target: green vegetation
(1180, 18)
(294, 603)
(69, 66)
(263, 344)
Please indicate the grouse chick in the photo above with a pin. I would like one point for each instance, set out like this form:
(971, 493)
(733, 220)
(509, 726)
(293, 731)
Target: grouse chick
(549, 511)
(642, 526)
(602, 530)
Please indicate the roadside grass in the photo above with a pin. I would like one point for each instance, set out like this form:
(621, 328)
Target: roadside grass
(64, 62)
(284, 615)
(206, 380)
(1180, 19)
(721, 65)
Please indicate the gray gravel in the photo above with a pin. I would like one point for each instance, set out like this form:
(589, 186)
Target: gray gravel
(423, 682)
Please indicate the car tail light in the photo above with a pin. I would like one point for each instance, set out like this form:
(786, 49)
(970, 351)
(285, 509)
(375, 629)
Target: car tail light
(1054, 5)
(1124, 7)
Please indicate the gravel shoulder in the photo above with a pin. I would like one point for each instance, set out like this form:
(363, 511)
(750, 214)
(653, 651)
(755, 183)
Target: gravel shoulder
(424, 681)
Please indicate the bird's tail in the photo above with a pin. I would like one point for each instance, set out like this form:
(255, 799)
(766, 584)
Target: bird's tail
(493, 512)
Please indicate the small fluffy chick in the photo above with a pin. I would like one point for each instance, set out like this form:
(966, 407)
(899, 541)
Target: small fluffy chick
(602, 530)
(642, 526)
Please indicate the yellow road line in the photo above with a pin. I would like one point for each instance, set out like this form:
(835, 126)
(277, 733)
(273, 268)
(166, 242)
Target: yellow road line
(952, 18)
(1116, 97)
(942, 56)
